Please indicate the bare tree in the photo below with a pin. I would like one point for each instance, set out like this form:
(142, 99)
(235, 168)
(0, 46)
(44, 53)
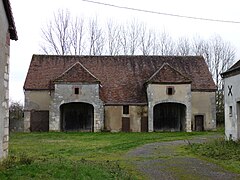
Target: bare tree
(96, 38)
(183, 46)
(155, 44)
(222, 58)
(218, 54)
(56, 35)
(146, 41)
(166, 45)
(124, 40)
(77, 37)
(134, 31)
(113, 40)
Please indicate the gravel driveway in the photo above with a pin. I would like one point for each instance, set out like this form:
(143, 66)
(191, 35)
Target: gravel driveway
(164, 160)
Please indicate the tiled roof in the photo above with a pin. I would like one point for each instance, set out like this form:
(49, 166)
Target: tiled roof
(122, 78)
(77, 73)
(234, 70)
(167, 74)
(12, 27)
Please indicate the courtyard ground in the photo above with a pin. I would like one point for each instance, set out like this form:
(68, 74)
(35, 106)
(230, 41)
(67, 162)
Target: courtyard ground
(168, 160)
(77, 155)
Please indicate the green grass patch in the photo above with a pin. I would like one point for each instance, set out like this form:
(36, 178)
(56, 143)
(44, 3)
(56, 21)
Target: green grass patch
(58, 155)
(224, 153)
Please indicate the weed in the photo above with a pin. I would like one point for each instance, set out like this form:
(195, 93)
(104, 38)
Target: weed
(220, 151)
(14, 161)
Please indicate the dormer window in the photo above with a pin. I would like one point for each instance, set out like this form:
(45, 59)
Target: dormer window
(76, 90)
(125, 109)
(170, 90)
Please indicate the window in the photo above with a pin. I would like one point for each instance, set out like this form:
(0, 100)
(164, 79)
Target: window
(230, 111)
(76, 90)
(125, 109)
(170, 90)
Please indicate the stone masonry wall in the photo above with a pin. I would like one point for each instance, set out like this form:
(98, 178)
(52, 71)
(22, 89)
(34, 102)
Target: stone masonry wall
(156, 94)
(4, 83)
(64, 93)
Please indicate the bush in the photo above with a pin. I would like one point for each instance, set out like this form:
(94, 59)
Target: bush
(218, 149)
(16, 111)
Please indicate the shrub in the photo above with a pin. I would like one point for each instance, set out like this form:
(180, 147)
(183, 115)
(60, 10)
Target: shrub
(218, 149)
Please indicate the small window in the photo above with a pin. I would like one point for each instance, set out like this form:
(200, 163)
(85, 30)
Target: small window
(76, 90)
(170, 90)
(230, 111)
(125, 109)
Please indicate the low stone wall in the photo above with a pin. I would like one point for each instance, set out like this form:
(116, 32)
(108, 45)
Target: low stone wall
(16, 125)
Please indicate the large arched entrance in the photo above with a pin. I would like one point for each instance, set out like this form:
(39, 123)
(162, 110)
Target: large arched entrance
(169, 117)
(77, 117)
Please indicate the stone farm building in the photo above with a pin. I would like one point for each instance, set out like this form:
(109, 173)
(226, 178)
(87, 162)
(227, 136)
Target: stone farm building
(7, 32)
(231, 79)
(119, 93)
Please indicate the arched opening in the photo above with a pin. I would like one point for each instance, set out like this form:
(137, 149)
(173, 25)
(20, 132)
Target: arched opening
(169, 117)
(77, 117)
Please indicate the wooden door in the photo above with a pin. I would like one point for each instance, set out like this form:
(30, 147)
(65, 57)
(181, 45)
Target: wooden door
(39, 121)
(144, 124)
(126, 124)
(199, 123)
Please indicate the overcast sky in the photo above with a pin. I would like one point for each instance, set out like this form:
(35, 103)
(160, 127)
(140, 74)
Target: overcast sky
(32, 15)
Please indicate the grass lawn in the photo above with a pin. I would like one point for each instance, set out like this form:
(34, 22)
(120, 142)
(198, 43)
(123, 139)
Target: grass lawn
(58, 155)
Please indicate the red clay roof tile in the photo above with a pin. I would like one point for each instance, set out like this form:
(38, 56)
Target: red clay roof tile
(122, 77)
(167, 74)
(77, 73)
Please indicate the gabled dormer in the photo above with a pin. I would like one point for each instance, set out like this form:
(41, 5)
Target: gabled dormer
(166, 74)
(77, 73)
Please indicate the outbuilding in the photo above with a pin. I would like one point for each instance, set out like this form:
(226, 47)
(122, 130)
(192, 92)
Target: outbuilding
(231, 79)
(119, 93)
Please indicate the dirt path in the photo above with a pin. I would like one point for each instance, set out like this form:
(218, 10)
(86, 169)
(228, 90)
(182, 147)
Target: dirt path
(165, 160)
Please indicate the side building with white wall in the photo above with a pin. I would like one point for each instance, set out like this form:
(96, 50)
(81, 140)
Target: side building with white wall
(231, 79)
(7, 32)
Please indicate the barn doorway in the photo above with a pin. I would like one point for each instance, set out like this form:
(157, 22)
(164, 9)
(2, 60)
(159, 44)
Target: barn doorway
(169, 117)
(77, 117)
(199, 123)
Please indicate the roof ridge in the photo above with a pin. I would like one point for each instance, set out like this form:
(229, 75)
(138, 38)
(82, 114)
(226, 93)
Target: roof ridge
(121, 55)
